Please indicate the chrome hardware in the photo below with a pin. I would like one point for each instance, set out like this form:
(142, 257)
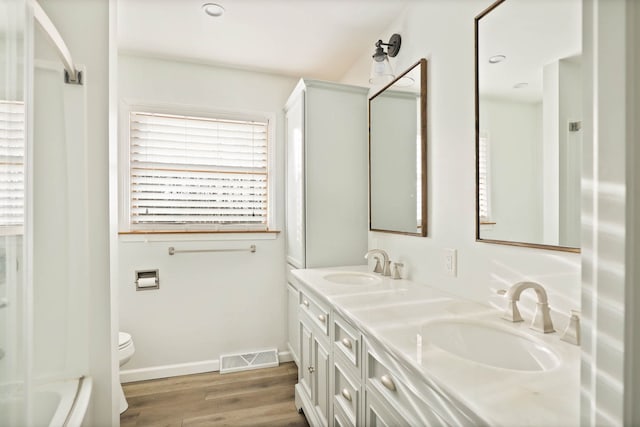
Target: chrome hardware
(305, 303)
(173, 250)
(397, 266)
(572, 333)
(311, 369)
(347, 343)
(542, 319)
(385, 260)
(345, 393)
(388, 382)
(322, 318)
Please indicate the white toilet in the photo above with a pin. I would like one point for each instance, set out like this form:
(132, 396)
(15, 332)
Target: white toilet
(125, 351)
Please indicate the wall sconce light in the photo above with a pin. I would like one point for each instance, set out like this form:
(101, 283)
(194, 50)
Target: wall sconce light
(381, 71)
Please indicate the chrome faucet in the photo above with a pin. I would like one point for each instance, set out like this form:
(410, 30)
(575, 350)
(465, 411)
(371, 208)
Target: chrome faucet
(542, 319)
(386, 270)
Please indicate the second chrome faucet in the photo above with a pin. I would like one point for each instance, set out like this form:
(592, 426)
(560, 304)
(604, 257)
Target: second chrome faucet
(542, 318)
(386, 263)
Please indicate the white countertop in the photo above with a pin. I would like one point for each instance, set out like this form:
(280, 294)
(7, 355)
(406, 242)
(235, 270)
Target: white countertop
(393, 313)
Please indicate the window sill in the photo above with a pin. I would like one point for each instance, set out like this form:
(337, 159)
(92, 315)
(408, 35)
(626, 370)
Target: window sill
(194, 236)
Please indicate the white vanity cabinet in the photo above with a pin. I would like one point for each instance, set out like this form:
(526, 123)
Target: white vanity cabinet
(348, 379)
(312, 390)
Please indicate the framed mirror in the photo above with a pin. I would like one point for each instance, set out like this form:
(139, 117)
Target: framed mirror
(397, 154)
(528, 66)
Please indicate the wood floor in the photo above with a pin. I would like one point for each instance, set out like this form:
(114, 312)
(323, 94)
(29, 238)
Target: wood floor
(261, 397)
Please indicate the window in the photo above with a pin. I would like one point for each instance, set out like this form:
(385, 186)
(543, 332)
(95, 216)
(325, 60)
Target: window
(483, 178)
(198, 173)
(12, 172)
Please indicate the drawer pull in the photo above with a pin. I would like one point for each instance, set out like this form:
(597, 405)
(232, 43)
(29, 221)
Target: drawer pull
(346, 394)
(305, 303)
(311, 369)
(347, 343)
(388, 382)
(322, 318)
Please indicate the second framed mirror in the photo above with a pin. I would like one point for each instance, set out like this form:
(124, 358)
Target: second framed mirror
(398, 154)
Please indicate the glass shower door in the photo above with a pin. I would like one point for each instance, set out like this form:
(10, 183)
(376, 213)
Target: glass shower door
(13, 361)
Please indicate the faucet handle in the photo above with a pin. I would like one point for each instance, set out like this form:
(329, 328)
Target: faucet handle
(572, 333)
(378, 267)
(397, 266)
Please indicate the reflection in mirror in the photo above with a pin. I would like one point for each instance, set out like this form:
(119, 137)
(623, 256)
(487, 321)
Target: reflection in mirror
(528, 123)
(397, 154)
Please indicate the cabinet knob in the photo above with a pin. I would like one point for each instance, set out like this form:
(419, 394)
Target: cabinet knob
(346, 394)
(305, 303)
(388, 382)
(347, 343)
(322, 318)
(311, 369)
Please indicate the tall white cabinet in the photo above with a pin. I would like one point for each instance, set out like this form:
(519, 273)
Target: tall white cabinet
(326, 183)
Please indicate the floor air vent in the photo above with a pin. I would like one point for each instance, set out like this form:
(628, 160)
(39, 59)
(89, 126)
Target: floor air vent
(245, 361)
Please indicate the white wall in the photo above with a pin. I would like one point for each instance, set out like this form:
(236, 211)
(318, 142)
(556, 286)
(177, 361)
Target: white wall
(570, 150)
(84, 27)
(514, 130)
(212, 303)
(482, 267)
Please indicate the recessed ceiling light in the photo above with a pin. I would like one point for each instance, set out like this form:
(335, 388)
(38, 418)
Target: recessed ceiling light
(213, 9)
(497, 58)
(520, 85)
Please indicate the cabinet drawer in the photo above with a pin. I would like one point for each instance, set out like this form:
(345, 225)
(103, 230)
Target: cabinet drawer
(347, 341)
(346, 394)
(318, 313)
(386, 383)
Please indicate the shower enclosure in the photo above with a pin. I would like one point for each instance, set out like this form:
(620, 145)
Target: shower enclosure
(43, 225)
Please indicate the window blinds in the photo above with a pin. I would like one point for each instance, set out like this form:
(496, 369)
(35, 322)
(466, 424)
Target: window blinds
(12, 147)
(483, 177)
(191, 172)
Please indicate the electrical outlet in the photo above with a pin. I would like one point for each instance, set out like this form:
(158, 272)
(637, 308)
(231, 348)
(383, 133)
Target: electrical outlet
(451, 262)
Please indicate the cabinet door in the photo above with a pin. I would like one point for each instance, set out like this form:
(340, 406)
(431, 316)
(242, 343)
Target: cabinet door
(295, 206)
(321, 396)
(293, 329)
(305, 370)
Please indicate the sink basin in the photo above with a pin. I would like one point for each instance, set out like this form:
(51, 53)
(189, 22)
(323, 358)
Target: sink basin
(490, 345)
(352, 278)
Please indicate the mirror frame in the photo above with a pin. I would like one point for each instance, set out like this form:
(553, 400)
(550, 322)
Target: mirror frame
(422, 63)
(477, 144)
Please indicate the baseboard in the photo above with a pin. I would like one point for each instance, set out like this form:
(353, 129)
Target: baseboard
(285, 356)
(166, 371)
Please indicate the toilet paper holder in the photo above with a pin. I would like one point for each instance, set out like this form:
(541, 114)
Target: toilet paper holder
(147, 280)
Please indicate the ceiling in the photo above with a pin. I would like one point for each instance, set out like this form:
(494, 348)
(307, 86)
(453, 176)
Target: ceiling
(311, 38)
(530, 34)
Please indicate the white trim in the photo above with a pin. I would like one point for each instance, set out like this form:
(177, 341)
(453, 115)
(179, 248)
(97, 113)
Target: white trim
(195, 237)
(166, 371)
